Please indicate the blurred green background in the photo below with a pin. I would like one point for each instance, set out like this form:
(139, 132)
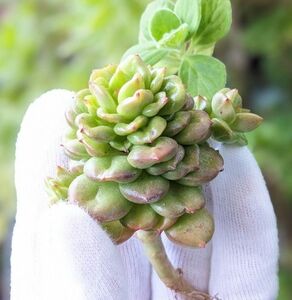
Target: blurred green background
(55, 44)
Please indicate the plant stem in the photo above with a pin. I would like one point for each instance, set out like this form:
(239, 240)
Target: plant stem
(171, 277)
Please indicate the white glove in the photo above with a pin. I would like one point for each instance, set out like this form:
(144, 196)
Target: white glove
(61, 253)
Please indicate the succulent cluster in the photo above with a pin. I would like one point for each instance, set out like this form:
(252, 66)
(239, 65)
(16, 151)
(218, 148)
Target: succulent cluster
(229, 119)
(139, 154)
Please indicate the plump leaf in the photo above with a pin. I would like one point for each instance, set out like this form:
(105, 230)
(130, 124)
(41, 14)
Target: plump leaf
(197, 131)
(179, 200)
(189, 11)
(146, 189)
(210, 162)
(162, 22)
(193, 230)
(203, 75)
(141, 217)
(162, 150)
(246, 122)
(216, 18)
(117, 232)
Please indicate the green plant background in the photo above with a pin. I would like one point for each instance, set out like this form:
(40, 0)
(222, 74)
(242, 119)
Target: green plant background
(54, 44)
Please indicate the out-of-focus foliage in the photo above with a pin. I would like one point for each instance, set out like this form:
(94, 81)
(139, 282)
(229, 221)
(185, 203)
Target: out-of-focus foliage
(270, 143)
(270, 37)
(285, 285)
(55, 44)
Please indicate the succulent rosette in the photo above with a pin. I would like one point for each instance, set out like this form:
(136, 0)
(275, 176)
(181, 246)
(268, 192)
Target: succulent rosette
(139, 157)
(229, 119)
(139, 154)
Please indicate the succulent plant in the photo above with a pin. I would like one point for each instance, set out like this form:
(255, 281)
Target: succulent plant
(229, 119)
(141, 153)
(138, 155)
(138, 136)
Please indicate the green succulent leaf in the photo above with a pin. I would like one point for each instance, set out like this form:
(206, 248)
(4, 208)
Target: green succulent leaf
(158, 76)
(162, 22)
(109, 169)
(146, 189)
(189, 164)
(150, 133)
(144, 156)
(132, 107)
(193, 230)
(246, 122)
(221, 130)
(203, 75)
(124, 129)
(189, 11)
(164, 224)
(130, 87)
(176, 94)
(197, 131)
(210, 162)
(122, 146)
(103, 97)
(169, 165)
(180, 121)
(74, 149)
(191, 199)
(131, 66)
(117, 232)
(216, 18)
(141, 217)
(222, 107)
(103, 202)
(153, 108)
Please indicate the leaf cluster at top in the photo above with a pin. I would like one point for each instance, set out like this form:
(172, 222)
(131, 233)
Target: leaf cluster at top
(181, 35)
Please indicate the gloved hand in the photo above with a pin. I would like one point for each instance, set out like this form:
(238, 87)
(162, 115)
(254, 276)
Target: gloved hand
(59, 252)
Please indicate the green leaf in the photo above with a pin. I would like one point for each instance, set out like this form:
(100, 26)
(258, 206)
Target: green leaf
(172, 61)
(203, 75)
(148, 52)
(189, 11)
(160, 57)
(176, 37)
(207, 49)
(216, 18)
(162, 22)
(144, 34)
